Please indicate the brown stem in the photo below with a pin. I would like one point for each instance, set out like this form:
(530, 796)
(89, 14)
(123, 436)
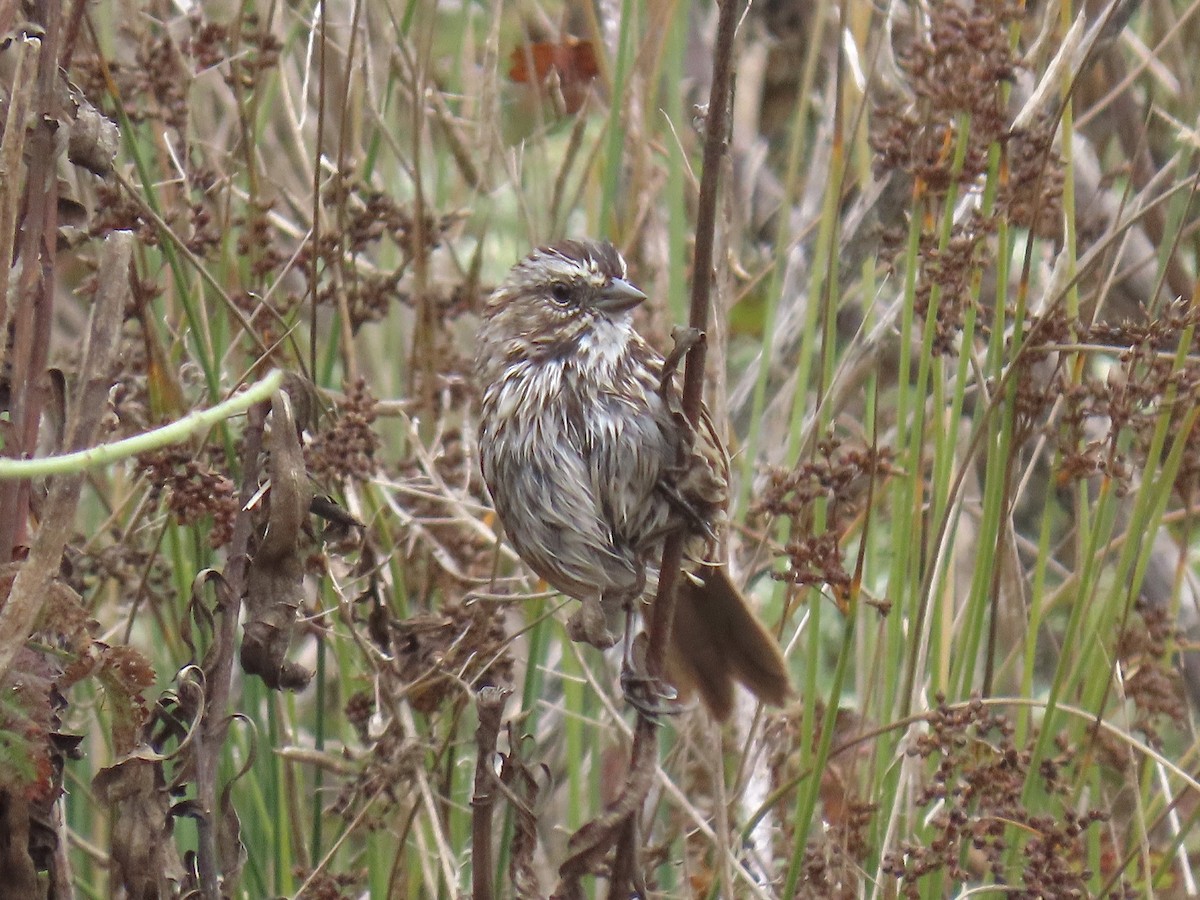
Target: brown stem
(491, 705)
(218, 673)
(715, 144)
(12, 147)
(617, 826)
(591, 843)
(208, 864)
(627, 880)
(31, 586)
(35, 289)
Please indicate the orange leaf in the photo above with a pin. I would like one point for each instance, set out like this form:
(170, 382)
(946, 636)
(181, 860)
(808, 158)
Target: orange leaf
(572, 60)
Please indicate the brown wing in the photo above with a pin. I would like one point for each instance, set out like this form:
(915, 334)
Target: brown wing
(696, 482)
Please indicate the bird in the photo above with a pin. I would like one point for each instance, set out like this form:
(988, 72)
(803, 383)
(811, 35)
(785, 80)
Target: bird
(590, 465)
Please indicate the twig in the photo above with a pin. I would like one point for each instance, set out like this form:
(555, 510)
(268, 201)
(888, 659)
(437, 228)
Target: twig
(30, 321)
(11, 148)
(29, 589)
(219, 669)
(174, 433)
(490, 702)
(618, 824)
(715, 144)
(627, 878)
(591, 843)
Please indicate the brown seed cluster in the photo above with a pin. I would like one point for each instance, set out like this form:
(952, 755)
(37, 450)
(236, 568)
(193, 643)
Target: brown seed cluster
(117, 211)
(384, 782)
(258, 51)
(436, 655)
(258, 244)
(837, 852)
(833, 863)
(942, 135)
(120, 561)
(195, 492)
(955, 70)
(1145, 650)
(946, 280)
(326, 885)
(154, 85)
(837, 474)
(1030, 194)
(974, 795)
(370, 217)
(346, 451)
(1108, 419)
(435, 662)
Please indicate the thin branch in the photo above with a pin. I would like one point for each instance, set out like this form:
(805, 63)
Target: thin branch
(219, 669)
(30, 588)
(490, 702)
(30, 320)
(715, 145)
(617, 826)
(173, 433)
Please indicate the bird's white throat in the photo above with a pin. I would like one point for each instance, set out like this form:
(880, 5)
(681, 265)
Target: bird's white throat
(602, 346)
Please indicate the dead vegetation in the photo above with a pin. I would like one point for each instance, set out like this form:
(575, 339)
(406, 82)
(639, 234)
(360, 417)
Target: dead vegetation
(281, 650)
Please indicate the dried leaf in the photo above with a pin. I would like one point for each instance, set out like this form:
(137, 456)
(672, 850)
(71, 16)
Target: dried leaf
(564, 70)
(574, 61)
(29, 713)
(31, 757)
(275, 580)
(94, 138)
(143, 860)
(20, 881)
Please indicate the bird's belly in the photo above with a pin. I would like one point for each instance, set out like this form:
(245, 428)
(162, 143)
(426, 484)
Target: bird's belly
(573, 483)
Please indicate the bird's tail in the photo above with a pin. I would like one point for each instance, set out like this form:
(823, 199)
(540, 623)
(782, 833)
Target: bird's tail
(717, 640)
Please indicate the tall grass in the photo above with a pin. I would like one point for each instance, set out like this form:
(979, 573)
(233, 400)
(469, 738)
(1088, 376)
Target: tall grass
(958, 384)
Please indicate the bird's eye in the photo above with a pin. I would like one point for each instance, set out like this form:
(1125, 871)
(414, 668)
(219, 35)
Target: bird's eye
(561, 293)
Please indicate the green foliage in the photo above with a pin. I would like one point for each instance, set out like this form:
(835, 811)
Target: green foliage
(947, 349)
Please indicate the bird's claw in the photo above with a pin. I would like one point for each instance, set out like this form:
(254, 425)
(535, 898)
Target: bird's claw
(651, 697)
(685, 339)
(688, 510)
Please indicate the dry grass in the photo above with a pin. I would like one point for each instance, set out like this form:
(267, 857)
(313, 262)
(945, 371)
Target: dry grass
(285, 652)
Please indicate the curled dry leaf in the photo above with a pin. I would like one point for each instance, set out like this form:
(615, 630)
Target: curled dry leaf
(29, 775)
(94, 138)
(229, 838)
(275, 579)
(30, 712)
(228, 828)
(144, 860)
(32, 749)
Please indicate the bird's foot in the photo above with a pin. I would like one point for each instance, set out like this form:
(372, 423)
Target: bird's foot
(685, 339)
(649, 695)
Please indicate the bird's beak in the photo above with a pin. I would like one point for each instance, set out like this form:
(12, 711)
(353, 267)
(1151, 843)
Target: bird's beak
(618, 296)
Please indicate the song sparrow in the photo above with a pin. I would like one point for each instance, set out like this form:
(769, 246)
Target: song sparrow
(590, 466)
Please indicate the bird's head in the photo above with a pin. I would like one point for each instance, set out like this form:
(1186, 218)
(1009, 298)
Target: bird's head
(560, 298)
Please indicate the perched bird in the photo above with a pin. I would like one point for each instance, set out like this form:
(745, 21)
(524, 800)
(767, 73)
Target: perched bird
(591, 465)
